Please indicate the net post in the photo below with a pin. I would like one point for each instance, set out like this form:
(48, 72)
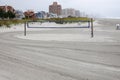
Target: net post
(92, 34)
(25, 29)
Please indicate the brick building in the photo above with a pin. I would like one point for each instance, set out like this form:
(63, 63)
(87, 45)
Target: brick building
(7, 8)
(55, 8)
(29, 14)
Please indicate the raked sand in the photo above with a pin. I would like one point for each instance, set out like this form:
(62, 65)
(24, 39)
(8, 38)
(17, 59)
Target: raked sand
(82, 34)
(67, 37)
(79, 36)
(61, 54)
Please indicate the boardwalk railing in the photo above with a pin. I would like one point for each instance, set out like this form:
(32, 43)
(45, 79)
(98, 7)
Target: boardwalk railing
(90, 25)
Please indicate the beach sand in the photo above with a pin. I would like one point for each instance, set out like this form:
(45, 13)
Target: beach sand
(61, 54)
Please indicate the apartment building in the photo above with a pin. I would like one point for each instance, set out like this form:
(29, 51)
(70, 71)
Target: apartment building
(70, 12)
(55, 8)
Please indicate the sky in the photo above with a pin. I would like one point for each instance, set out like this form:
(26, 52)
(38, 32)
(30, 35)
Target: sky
(99, 8)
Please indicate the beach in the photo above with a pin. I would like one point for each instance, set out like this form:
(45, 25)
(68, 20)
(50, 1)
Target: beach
(60, 53)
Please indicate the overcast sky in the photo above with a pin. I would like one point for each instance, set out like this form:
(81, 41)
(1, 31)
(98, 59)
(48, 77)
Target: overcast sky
(103, 8)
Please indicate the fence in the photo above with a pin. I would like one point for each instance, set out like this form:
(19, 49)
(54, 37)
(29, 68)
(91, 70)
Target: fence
(90, 25)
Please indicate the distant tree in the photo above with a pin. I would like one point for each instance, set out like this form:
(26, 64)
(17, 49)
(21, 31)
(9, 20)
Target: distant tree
(70, 16)
(2, 13)
(5, 15)
(10, 14)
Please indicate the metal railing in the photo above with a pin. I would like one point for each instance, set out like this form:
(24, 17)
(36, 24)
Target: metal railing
(90, 25)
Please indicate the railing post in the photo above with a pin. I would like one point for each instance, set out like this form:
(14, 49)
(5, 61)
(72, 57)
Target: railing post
(89, 24)
(92, 34)
(25, 29)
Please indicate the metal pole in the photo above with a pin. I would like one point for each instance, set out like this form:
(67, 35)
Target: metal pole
(88, 24)
(92, 34)
(25, 29)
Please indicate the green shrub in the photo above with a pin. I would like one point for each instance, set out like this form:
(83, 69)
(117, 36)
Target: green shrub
(8, 23)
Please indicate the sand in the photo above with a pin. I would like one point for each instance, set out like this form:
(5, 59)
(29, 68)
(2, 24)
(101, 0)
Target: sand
(61, 54)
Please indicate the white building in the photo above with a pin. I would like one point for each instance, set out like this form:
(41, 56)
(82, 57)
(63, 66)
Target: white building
(52, 15)
(70, 12)
(41, 14)
(77, 13)
(19, 14)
